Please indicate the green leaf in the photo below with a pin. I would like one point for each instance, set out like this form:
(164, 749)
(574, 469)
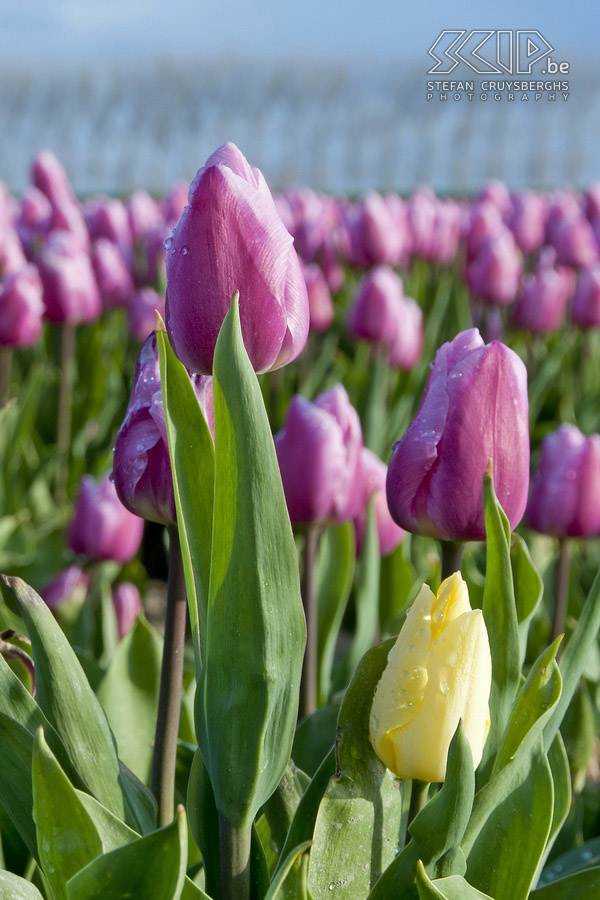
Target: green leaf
(500, 614)
(561, 779)
(314, 738)
(248, 696)
(204, 822)
(129, 695)
(192, 465)
(16, 796)
(574, 657)
(281, 875)
(14, 888)
(65, 697)
(535, 700)
(528, 586)
(510, 825)
(67, 837)
(151, 866)
(335, 573)
(585, 883)
(363, 812)
(366, 600)
(585, 856)
(452, 888)
(113, 833)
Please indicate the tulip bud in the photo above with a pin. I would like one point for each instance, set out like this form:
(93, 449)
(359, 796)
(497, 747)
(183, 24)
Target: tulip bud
(112, 275)
(390, 535)
(474, 408)
(527, 220)
(319, 298)
(70, 290)
(565, 491)
(496, 193)
(586, 302)
(106, 217)
(374, 234)
(51, 179)
(374, 314)
(141, 469)
(141, 311)
(484, 223)
(439, 673)
(542, 301)
(70, 584)
(101, 527)
(574, 241)
(128, 604)
(495, 273)
(144, 214)
(12, 257)
(230, 238)
(21, 308)
(319, 454)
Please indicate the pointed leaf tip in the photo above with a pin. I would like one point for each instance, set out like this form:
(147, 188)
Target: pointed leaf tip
(160, 322)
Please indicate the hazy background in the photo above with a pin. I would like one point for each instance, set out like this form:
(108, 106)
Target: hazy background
(131, 93)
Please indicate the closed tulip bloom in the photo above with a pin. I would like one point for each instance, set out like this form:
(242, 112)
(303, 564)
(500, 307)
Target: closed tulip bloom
(422, 212)
(484, 222)
(374, 234)
(319, 298)
(106, 217)
(527, 220)
(112, 275)
(407, 346)
(445, 235)
(128, 604)
(374, 313)
(69, 585)
(35, 217)
(141, 312)
(542, 302)
(12, 257)
(495, 273)
(439, 673)
(574, 241)
(389, 534)
(101, 527)
(230, 238)
(496, 193)
(565, 491)
(141, 467)
(144, 214)
(319, 454)
(586, 302)
(474, 408)
(21, 308)
(70, 290)
(50, 178)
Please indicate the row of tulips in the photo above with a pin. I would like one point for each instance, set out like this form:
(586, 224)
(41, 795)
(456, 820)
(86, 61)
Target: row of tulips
(342, 802)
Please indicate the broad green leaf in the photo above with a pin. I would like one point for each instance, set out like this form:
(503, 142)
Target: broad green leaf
(573, 659)
(582, 884)
(510, 825)
(452, 888)
(366, 600)
(528, 586)
(276, 885)
(16, 744)
(192, 465)
(66, 699)
(335, 573)
(397, 579)
(281, 806)
(66, 835)
(129, 695)
(561, 779)
(500, 614)
(248, 697)
(585, 856)
(204, 822)
(360, 819)
(151, 866)
(14, 888)
(314, 738)
(139, 802)
(113, 833)
(536, 698)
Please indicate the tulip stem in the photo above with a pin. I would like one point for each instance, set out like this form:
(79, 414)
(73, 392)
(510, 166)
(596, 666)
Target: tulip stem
(452, 552)
(171, 675)
(418, 798)
(235, 843)
(308, 692)
(65, 407)
(561, 589)
(6, 355)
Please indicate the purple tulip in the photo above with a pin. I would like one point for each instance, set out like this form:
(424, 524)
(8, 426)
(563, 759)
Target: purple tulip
(144, 214)
(565, 491)
(34, 220)
(51, 179)
(586, 302)
(112, 275)
(21, 308)
(374, 233)
(142, 313)
(70, 584)
(484, 223)
(527, 220)
(70, 290)
(175, 203)
(445, 235)
(495, 273)
(106, 217)
(390, 535)
(141, 469)
(474, 408)
(496, 193)
(319, 453)
(407, 346)
(542, 302)
(128, 604)
(12, 257)
(319, 298)
(101, 527)
(574, 241)
(421, 218)
(230, 238)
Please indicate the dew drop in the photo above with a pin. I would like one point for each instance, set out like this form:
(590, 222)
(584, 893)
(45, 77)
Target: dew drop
(184, 251)
(167, 243)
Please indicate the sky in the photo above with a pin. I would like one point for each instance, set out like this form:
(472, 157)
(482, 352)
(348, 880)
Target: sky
(67, 32)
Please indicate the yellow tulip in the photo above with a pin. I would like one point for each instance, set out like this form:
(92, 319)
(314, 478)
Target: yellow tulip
(439, 672)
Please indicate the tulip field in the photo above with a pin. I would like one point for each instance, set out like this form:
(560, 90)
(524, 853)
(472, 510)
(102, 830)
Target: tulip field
(300, 542)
